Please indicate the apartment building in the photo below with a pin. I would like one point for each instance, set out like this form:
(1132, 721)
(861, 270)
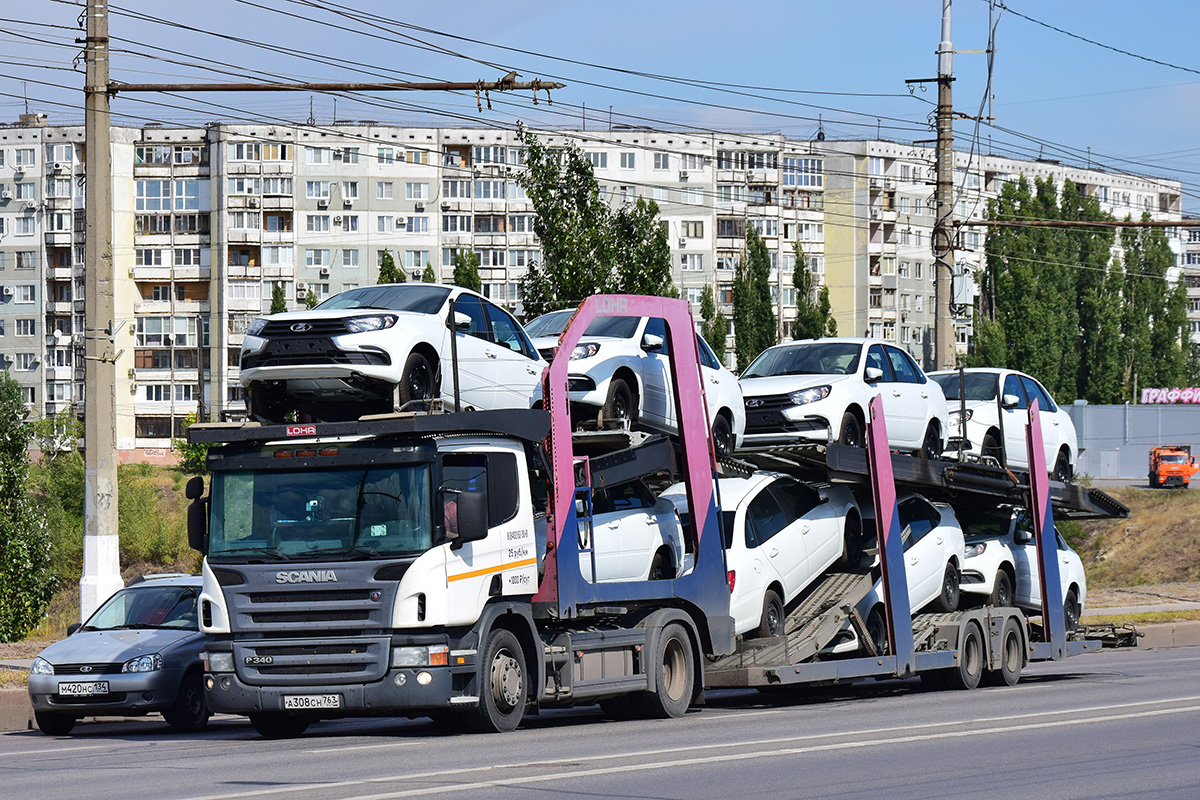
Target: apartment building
(208, 221)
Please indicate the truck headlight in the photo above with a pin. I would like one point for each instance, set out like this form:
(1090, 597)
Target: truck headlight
(41, 666)
(375, 322)
(218, 662)
(148, 663)
(812, 395)
(972, 550)
(433, 655)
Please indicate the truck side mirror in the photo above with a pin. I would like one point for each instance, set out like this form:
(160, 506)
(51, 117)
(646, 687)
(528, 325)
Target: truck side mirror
(1010, 401)
(872, 374)
(197, 515)
(471, 518)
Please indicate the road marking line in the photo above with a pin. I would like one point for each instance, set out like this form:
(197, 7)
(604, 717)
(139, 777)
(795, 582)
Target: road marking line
(709, 759)
(56, 750)
(349, 748)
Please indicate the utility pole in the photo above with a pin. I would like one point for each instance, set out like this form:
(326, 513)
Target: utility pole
(943, 229)
(201, 415)
(101, 563)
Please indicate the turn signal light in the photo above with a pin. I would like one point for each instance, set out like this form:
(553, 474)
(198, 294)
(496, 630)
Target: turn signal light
(732, 577)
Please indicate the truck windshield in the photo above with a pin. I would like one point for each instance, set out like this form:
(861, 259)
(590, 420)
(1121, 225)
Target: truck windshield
(980, 386)
(306, 514)
(1174, 458)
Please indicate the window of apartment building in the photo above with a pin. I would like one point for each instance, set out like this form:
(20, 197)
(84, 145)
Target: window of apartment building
(25, 294)
(24, 191)
(58, 393)
(153, 195)
(489, 190)
(694, 293)
(660, 194)
(628, 160)
(152, 154)
(456, 189)
(242, 185)
(905, 236)
(1191, 259)
(317, 258)
(245, 220)
(415, 157)
(727, 260)
(244, 290)
(692, 229)
(415, 259)
(662, 161)
(275, 256)
(350, 223)
(385, 155)
(158, 292)
(597, 160)
(875, 297)
(918, 302)
(148, 256)
(690, 161)
(918, 268)
(63, 294)
(26, 157)
(190, 154)
(816, 265)
(516, 191)
(417, 225)
(725, 293)
(520, 223)
(889, 265)
(146, 224)
(316, 223)
(905, 301)
(26, 259)
(26, 327)
(731, 228)
(491, 258)
(765, 227)
(803, 172)
(903, 270)
(810, 232)
(349, 155)
(1194, 234)
(317, 190)
(522, 258)
(277, 222)
(316, 155)
(349, 190)
(153, 427)
(277, 186)
(350, 259)
(449, 256)
(276, 151)
(385, 224)
(692, 262)
(875, 165)
(58, 187)
(24, 226)
(904, 201)
(889, 331)
(26, 362)
(489, 223)
(491, 154)
(731, 192)
(456, 223)
(691, 196)
(245, 151)
(416, 191)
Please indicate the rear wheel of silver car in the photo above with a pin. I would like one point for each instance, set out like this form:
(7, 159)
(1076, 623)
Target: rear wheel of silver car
(852, 432)
(278, 725)
(947, 600)
(52, 723)
(417, 383)
(190, 711)
(771, 624)
(618, 408)
(722, 437)
(931, 447)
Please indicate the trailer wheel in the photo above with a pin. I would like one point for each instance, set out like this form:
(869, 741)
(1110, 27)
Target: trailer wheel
(675, 677)
(277, 725)
(1071, 611)
(1011, 656)
(970, 660)
(771, 624)
(502, 685)
(947, 601)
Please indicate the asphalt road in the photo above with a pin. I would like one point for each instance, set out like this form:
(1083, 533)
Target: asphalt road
(1112, 724)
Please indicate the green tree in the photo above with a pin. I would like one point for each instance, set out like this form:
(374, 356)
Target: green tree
(813, 315)
(58, 434)
(429, 276)
(388, 273)
(753, 312)
(25, 579)
(192, 456)
(310, 299)
(466, 270)
(587, 248)
(278, 299)
(714, 326)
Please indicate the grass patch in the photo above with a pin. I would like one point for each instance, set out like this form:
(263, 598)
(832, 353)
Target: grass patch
(13, 679)
(1143, 618)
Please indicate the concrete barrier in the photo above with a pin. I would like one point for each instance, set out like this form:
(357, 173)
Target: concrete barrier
(1170, 634)
(15, 712)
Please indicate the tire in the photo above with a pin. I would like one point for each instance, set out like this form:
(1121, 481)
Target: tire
(1012, 656)
(931, 446)
(1071, 611)
(1062, 467)
(852, 541)
(947, 600)
(278, 725)
(675, 676)
(722, 437)
(52, 723)
(618, 407)
(190, 711)
(503, 685)
(971, 660)
(417, 385)
(661, 568)
(877, 630)
(852, 432)
(1002, 591)
(772, 622)
(991, 448)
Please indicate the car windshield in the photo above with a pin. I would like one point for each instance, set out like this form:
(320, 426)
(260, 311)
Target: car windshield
(979, 386)
(982, 522)
(147, 607)
(294, 515)
(616, 327)
(552, 324)
(810, 358)
(418, 298)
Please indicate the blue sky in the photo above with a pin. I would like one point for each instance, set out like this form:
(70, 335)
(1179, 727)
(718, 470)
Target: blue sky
(845, 63)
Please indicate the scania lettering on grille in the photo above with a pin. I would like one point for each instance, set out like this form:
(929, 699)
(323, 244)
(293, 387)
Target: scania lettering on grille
(307, 576)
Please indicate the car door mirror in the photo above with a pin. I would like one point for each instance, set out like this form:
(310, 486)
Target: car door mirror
(873, 374)
(74, 626)
(652, 342)
(1023, 537)
(461, 321)
(1010, 401)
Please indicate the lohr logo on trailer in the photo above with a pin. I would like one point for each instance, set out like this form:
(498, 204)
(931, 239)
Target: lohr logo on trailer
(301, 430)
(307, 576)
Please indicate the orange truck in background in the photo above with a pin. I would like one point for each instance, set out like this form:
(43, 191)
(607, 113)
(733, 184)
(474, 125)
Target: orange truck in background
(1172, 465)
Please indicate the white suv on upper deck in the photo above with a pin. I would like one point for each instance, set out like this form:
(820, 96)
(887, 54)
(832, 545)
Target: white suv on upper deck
(819, 390)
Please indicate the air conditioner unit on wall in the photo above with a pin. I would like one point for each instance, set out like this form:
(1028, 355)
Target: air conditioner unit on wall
(6, 195)
(253, 202)
(324, 272)
(420, 205)
(8, 291)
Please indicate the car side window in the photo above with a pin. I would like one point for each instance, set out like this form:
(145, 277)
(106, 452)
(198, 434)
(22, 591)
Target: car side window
(707, 357)
(764, 517)
(1012, 385)
(473, 308)
(1034, 389)
(917, 518)
(657, 326)
(795, 498)
(508, 333)
(875, 359)
(906, 371)
(627, 497)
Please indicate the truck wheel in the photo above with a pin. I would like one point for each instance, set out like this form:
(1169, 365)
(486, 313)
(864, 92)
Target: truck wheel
(771, 624)
(1002, 592)
(970, 660)
(502, 685)
(1071, 611)
(675, 676)
(1011, 656)
(52, 723)
(190, 712)
(416, 383)
(947, 601)
(618, 407)
(277, 725)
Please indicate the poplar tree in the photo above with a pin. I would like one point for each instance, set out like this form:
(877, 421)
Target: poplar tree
(753, 311)
(466, 270)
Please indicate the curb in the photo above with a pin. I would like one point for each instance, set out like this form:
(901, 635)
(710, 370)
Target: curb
(16, 714)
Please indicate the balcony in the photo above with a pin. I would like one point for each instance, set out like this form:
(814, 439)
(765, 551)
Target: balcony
(244, 236)
(276, 202)
(61, 273)
(60, 308)
(161, 274)
(58, 238)
(278, 237)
